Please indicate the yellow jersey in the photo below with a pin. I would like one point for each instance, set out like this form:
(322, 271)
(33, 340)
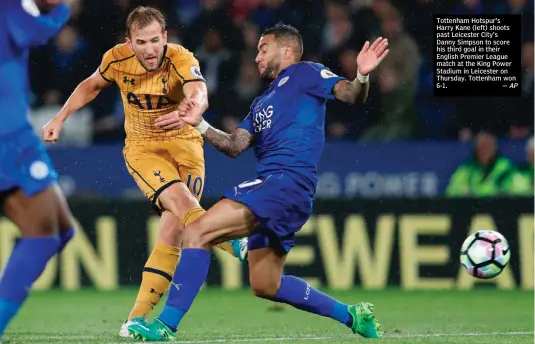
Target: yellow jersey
(147, 95)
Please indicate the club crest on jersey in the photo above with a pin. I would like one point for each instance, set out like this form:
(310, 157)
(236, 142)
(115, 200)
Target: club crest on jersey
(326, 74)
(164, 80)
(262, 118)
(283, 81)
(39, 170)
(195, 71)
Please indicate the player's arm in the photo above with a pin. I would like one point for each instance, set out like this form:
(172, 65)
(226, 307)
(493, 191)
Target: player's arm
(197, 93)
(230, 144)
(28, 27)
(84, 93)
(368, 59)
(354, 92)
(88, 89)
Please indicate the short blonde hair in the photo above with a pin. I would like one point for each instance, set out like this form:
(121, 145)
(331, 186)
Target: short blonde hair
(143, 16)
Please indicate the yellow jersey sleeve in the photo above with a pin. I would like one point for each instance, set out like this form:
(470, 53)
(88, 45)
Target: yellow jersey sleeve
(105, 68)
(186, 66)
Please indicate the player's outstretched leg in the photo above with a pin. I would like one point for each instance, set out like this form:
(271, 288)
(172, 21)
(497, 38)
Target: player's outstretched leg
(225, 219)
(179, 200)
(267, 281)
(38, 217)
(160, 267)
(158, 270)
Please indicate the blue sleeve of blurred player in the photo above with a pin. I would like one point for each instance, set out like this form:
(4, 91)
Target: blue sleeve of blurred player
(317, 80)
(28, 28)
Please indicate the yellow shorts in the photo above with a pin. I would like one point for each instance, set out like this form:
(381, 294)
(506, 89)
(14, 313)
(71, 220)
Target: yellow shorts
(155, 165)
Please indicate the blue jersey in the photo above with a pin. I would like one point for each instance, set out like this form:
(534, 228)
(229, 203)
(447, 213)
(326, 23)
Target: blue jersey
(24, 163)
(288, 125)
(288, 121)
(21, 27)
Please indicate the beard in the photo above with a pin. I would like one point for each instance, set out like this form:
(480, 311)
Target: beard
(267, 75)
(270, 73)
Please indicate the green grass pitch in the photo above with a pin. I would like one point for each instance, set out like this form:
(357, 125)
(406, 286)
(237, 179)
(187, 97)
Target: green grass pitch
(485, 316)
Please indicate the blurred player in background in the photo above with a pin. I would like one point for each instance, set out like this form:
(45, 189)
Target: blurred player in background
(28, 190)
(287, 125)
(166, 163)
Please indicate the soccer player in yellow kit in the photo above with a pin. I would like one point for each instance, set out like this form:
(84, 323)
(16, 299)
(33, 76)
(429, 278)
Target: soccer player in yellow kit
(167, 162)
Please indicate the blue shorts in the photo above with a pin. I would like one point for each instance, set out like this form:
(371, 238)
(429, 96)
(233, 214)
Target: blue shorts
(24, 163)
(280, 203)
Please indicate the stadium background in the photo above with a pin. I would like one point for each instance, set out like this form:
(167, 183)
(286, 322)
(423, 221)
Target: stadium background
(384, 170)
(381, 218)
(381, 221)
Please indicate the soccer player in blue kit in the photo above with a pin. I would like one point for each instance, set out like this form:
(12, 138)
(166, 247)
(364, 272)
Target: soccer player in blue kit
(286, 126)
(28, 190)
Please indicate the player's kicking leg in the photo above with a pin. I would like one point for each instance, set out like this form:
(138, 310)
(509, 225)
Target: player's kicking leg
(226, 219)
(232, 219)
(167, 186)
(45, 224)
(183, 208)
(158, 270)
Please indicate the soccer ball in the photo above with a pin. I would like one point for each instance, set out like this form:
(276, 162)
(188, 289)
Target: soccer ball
(485, 254)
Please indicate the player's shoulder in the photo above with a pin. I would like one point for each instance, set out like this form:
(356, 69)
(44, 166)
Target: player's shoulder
(305, 71)
(314, 67)
(120, 52)
(304, 66)
(177, 53)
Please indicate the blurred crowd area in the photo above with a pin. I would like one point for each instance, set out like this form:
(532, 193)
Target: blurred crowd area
(223, 34)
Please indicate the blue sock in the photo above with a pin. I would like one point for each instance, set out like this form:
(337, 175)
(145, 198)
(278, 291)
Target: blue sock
(25, 265)
(189, 276)
(65, 237)
(298, 293)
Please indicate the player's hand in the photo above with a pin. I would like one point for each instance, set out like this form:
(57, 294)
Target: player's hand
(51, 129)
(169, 121)
(371, 55)
(191, 112)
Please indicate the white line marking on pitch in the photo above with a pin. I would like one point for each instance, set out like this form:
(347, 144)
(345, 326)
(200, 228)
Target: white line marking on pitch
(313, 338)
(393, 336)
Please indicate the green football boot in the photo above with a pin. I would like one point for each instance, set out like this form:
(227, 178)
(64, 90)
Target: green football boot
(155, 331)
(239, 248)
(364, 322)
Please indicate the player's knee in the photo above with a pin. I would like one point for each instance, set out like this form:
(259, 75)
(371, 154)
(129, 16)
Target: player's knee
(178, 199)
(171, 229)
(263, 287)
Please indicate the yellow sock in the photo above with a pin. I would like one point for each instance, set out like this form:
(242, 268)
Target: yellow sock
(192, 215)
(157, 275)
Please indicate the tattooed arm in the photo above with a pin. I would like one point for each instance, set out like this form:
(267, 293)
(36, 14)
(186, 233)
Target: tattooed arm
(230, 144)
(352, 92)
(367, 60)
